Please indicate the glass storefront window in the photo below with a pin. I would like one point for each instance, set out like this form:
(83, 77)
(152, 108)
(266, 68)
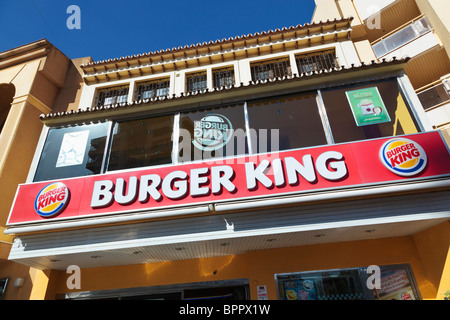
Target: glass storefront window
(395, 282)
(72, 151)
(326, 285)
(368, 111)
(286, 123)
(141, 143)
(212, 133)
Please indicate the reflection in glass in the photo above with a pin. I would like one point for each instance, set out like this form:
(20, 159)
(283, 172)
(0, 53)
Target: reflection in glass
(72, 151)
(142, 142)
(286, 123)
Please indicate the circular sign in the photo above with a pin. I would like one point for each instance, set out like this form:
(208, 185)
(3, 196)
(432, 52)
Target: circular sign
(51, 200)
(212, 132)
(403, 157)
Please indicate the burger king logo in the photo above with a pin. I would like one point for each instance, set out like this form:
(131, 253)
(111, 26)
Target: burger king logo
(51, 200)
(403, 157)
(212, 132)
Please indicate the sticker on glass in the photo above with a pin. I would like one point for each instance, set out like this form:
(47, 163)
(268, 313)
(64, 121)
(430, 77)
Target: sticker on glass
(367, 106)
(72, 150)
(212, 132)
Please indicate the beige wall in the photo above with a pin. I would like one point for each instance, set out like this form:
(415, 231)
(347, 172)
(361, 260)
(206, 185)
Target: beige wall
(42, 76)
(437, 12)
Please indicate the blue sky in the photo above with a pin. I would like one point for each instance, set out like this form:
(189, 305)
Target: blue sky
(116, 28)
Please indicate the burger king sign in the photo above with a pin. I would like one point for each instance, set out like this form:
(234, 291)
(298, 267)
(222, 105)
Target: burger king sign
(403, 157)
(51, 200)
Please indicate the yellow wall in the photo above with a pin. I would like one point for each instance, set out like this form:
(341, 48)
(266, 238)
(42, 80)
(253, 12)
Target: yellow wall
(425, 252)
(38, 72)
(433, 247)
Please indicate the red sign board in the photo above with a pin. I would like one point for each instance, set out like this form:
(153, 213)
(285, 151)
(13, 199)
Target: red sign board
(289, 172)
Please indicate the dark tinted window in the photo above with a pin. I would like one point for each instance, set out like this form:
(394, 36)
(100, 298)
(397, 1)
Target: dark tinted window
(72, 151)
(368, 111)
(286, 123)
(140, 143)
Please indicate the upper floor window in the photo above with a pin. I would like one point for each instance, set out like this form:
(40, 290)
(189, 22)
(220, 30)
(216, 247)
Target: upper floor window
(110, 96)
(73, 151)
(212, 133)
(316, 61)
(270, 69)
(223, 77)
(141, 143)
(353, 112)
(196, 81)
(152, 88)
(367, 111)
(435, 95)
(284, 123)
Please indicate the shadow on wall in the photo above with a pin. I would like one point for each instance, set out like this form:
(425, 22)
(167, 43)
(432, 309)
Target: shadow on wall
(7, 92)
(69, 96)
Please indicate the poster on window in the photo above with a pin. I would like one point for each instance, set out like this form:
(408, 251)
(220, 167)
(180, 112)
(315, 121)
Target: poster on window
(300, 290)
(395, 285)
(367, 106)
(72, 150)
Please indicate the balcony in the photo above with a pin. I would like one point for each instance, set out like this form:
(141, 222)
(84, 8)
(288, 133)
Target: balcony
(316, 61)
(111, 96)
(435, 99)
(270, 69)
(196, 82)
(408, 40)
(153, 88)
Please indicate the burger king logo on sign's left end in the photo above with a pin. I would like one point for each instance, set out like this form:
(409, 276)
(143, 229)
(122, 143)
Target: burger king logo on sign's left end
(52, 200)
(403, 157)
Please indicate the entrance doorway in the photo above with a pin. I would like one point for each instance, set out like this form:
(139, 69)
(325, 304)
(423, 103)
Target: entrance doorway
(236, 289)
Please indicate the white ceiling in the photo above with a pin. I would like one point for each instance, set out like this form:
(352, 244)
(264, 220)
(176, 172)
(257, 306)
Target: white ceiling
(227, 245)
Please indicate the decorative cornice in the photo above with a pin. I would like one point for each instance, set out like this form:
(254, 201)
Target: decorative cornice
(38, 104)
(170, 53)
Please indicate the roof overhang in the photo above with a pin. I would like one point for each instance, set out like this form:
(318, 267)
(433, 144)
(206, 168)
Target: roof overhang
(223, 50)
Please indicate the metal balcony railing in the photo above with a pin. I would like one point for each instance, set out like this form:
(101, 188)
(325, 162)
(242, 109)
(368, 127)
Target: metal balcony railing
(223, 77)
(401, 37)
(270, 69)
(151, 89)
(196, 81)
(316, 61)
(110, 96)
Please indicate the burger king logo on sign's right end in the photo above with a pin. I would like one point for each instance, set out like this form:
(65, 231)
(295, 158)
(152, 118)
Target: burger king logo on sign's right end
(403, 157)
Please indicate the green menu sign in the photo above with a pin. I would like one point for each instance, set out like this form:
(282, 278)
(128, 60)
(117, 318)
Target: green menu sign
(367, 106)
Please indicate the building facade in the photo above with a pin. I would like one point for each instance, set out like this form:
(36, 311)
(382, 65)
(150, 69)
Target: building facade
(418, 29)
(288, 164)
(35, 78)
